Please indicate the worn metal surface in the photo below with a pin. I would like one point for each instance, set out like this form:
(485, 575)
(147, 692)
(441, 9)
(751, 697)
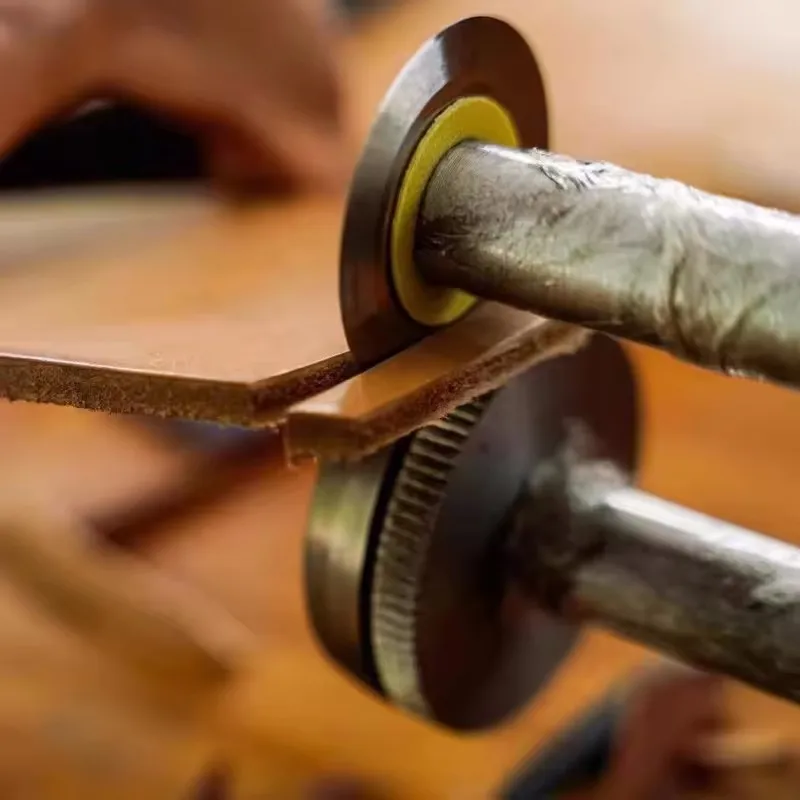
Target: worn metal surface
(406, 579)
(479, 55)
(589, 547)
(339, 552)
(715, 281)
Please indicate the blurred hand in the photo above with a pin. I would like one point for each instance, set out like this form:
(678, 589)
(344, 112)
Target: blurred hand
(256, 79)
(668, 717)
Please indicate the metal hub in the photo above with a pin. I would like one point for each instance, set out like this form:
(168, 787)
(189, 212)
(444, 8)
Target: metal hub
(480, 56)
(406, 560)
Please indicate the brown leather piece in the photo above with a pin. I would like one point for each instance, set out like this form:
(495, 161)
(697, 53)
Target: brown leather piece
(479, 353)
(180, 326)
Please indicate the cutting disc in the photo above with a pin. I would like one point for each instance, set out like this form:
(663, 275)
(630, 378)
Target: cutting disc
(406, 562)
(477, 57)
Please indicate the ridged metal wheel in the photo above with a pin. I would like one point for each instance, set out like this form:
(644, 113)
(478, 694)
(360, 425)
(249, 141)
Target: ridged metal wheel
(409, 580)
(420, 490)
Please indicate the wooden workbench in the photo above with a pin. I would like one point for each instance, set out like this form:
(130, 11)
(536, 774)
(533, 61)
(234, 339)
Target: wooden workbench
(656, 86)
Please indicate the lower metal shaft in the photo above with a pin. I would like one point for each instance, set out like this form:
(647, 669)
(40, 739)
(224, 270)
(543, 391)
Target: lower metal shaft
(588, 547)
(713, 280)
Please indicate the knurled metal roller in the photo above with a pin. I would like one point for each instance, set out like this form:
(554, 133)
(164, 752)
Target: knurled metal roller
(407, 562)
(451, 571)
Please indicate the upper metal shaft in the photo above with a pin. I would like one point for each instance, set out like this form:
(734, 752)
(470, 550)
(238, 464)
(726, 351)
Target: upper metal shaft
(715, 281)
(590, 547)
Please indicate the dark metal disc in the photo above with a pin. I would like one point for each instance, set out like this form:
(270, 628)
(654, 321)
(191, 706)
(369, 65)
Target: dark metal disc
(406, 572)
(477, 56)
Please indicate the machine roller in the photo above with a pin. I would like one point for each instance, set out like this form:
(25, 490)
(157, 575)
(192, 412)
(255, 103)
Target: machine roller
(451, 571)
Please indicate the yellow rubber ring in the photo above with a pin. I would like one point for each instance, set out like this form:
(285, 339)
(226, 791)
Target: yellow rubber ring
(470, 118)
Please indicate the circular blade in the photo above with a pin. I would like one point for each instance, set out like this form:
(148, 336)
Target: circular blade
(407, 580)
(477, 56)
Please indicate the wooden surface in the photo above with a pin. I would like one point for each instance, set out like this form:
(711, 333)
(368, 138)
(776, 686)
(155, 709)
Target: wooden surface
(213, 321)
(696, 90)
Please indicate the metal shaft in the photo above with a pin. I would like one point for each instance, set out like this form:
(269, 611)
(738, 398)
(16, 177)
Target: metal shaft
(713, 280)
(717, 596)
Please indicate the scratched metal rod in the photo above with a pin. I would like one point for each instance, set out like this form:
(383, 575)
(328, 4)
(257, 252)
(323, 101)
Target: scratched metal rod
(713, 280)
(719, 597)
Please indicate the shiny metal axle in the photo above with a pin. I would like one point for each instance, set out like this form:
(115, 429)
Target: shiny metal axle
(715, 281)
(589, 547)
